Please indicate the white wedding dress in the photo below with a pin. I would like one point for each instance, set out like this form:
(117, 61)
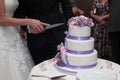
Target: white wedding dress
(15, 59)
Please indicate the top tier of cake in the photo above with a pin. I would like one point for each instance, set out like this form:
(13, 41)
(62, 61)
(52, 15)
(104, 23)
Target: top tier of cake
(76, 25)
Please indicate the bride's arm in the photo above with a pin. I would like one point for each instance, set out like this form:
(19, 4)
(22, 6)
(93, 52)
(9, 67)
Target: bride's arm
(10, 21)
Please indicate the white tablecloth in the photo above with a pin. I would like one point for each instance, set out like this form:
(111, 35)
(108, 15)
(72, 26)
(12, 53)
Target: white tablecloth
(48, 68)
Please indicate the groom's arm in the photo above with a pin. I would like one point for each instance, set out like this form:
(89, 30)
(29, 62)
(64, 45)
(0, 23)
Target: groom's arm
(67, 9)
(20, 12)
(73, 3)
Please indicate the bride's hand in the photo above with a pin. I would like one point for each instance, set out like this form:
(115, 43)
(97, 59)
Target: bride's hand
(36, 26)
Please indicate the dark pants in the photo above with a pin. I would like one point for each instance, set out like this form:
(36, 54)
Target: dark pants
(115, 43)
(43, 46)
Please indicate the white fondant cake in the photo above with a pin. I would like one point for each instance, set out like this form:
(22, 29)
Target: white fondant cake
(78, 51)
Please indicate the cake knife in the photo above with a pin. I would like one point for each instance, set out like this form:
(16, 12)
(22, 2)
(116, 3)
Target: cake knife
(53, 25)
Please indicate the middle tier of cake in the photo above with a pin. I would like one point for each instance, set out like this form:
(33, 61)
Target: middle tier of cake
(79, 45)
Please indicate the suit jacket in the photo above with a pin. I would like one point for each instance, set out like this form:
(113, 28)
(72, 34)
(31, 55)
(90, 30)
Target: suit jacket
(114, 18)
(44, 10)
(73, 3)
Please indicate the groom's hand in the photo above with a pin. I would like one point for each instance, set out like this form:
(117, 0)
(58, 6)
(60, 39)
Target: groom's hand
(37, 26)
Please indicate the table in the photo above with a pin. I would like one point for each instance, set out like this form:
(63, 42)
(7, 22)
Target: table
(48, 68)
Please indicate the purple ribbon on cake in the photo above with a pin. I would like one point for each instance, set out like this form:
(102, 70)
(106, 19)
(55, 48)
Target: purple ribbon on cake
(79, 52)
(81, 67)
(60, 63)
(76, 37)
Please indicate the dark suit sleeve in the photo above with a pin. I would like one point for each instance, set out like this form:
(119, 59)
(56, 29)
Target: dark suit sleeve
(20, 12)
(73, 3)
(109, 1)
(67, 9)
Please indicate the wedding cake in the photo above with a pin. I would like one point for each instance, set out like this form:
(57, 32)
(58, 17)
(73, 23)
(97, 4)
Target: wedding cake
(77, 52)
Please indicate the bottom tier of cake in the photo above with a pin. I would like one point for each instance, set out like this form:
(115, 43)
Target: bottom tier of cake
(79, 60)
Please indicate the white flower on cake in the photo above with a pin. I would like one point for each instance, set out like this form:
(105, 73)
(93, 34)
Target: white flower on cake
(80, 21)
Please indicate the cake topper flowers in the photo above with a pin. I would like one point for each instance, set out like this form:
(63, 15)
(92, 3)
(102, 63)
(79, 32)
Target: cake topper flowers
(80, 21)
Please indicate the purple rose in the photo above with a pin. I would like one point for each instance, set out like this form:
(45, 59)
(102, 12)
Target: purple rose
(80, 21)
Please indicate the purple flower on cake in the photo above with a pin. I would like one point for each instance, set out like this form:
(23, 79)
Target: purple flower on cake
(80, 21)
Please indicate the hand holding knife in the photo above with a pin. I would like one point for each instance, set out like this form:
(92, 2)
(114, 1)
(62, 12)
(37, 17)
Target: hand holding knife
(49, 27)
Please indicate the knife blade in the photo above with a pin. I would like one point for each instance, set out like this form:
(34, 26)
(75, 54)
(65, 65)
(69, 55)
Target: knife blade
(53, 25)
